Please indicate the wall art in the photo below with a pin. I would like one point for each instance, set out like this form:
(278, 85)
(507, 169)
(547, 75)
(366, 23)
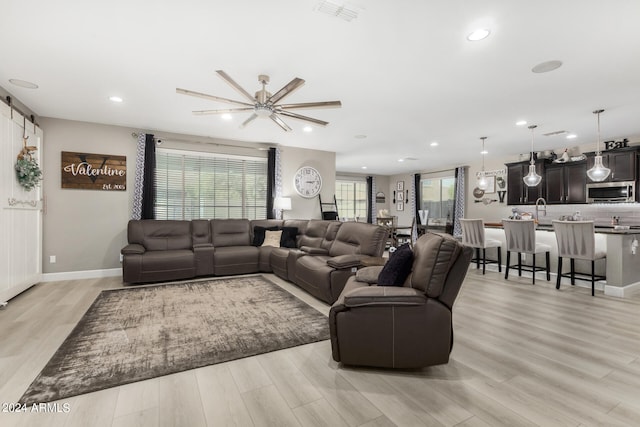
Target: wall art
(88, 171)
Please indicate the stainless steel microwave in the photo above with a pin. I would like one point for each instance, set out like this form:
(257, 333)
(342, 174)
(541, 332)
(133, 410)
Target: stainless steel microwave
(611, 192)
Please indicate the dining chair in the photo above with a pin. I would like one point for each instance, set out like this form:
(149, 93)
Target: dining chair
(405, 234)
(473, 235)
(576, 240)
(521, 238)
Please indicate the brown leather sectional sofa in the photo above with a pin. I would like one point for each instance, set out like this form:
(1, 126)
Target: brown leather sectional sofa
(325, 255)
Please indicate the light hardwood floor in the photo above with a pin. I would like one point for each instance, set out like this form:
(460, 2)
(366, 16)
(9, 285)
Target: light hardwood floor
(524, 355)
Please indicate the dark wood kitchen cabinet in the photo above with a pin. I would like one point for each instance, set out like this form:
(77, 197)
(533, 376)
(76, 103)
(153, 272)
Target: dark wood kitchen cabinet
(622, 162)
(566, 182)
(517, 192)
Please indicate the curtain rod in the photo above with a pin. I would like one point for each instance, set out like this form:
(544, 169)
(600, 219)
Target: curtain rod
(217, 144)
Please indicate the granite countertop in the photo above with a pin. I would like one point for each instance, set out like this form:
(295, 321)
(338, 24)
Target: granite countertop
(605, 229)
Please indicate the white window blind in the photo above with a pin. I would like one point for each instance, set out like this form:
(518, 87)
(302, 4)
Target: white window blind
(192, 185)
(351, 197)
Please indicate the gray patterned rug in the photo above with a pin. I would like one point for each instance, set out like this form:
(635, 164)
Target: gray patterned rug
(138, 333)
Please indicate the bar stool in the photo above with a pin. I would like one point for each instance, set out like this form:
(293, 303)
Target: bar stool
(473, 235)
(521, 238)
(576, 240)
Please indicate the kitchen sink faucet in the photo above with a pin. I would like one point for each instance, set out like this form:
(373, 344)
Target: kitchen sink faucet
(539, 209)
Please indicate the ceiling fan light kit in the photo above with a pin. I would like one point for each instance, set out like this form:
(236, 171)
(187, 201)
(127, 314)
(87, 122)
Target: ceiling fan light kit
(263, 104)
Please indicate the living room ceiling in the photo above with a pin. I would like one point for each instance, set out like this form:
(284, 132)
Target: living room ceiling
(404, 71)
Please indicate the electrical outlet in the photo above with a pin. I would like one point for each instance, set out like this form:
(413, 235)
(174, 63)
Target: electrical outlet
(52, 259)
(121, 257)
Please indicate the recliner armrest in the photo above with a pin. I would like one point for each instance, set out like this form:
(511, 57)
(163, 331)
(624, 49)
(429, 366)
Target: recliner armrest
(384, 295)
(314, 251)
(369, 274)
(133, 249)
(342, 262)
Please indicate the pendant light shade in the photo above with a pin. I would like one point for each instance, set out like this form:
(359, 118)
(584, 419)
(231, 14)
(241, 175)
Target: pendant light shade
(483, 182)
(598, 172)
(532, 179)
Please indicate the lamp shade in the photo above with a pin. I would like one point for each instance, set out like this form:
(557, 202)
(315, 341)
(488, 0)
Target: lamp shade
(282, 203)
(598, 172)
(532, 179)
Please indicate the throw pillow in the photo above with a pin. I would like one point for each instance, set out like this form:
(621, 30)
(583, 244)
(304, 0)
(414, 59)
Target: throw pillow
(258, 234)
(288, 239)
(398, 268)
(272, 238)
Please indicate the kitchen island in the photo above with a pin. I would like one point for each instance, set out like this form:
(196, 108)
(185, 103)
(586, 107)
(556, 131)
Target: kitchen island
(622, 267)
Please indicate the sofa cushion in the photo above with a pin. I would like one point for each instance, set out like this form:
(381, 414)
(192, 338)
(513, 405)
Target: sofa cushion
(230, 232)
(272, 238)
(258, 234)
(398, 268)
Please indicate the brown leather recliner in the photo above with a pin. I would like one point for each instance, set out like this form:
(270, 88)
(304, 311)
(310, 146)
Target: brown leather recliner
(408, 326)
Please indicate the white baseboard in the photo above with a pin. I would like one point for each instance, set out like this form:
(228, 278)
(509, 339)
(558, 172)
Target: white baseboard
(622, 291)
(78, 275)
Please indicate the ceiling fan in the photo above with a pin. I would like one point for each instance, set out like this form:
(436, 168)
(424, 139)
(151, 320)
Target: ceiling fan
(264, 104)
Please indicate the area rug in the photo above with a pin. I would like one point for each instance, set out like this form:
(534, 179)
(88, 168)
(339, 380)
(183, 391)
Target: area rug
(138, 333)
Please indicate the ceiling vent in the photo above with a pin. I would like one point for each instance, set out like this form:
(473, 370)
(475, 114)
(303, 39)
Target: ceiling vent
(558, 132)
(341, 11)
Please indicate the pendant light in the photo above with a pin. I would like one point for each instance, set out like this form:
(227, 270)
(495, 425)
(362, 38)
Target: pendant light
(598, 172)
(532, 179)
(482, 183)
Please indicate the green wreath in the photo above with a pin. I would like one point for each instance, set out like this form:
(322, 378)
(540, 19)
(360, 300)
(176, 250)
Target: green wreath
(28, 173)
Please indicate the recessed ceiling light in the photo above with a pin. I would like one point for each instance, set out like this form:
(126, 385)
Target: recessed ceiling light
(307, 129)
(23, 83)
(401, 160)
(479, 34)
(572, 136)
(226, 116)
(364, 167)
(434, 144)
(484, 152)
(115, 99)
(545, 67)
(521, 123)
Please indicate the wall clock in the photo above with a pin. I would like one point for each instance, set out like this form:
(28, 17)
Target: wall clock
(307, 182)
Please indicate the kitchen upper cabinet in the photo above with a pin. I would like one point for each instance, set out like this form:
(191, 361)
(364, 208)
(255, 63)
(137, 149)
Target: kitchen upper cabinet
(622, 162)
(517, 192)
(566, 182)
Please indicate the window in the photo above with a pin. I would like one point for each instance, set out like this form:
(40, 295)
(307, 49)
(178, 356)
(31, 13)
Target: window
(351, 197)
(437, 195)
(192, 185)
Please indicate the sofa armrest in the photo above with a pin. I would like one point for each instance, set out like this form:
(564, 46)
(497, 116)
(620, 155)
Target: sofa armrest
(369, 274)
(384, 295)
(133, 249)
(314, 251)
(342, 262)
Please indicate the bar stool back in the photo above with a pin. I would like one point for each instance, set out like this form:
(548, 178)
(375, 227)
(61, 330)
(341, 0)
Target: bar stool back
(521, 238)
(576, 240)
(473, 235)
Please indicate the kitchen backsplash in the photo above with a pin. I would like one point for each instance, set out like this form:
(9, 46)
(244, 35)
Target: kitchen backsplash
(601, 214)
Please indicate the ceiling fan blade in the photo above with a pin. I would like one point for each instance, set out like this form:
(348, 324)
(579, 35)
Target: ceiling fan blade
(249, 120)
(210, 97)
(323, 104)
(286, 90)
(305, 118)
(229, 110)
(235, 85)
(279, 122)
